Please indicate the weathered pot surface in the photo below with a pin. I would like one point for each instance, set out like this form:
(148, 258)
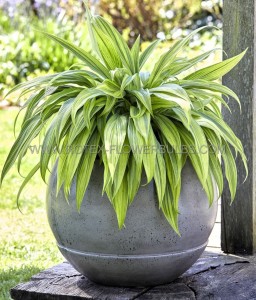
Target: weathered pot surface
(147, 251)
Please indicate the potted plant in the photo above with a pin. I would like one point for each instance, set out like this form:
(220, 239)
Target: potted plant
(116, 136)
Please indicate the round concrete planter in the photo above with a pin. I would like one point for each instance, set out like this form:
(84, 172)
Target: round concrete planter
(147, 251)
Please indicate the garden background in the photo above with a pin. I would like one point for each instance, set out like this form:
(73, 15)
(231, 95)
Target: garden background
(26, 244)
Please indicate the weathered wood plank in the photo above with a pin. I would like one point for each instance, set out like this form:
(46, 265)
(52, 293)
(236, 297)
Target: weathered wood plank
(213, 277)
(64, 283)
(173, 291)
(233, 281)
(239, 220)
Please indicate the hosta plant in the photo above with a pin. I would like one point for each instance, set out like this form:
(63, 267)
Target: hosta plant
(133, 121)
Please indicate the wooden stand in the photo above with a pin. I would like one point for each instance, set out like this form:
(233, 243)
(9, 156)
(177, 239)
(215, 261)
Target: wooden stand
(213, 276)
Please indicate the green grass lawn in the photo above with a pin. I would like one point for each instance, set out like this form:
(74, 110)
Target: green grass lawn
(26, 242)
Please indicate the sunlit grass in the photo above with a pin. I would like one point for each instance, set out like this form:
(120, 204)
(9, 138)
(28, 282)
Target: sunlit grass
(26, 243)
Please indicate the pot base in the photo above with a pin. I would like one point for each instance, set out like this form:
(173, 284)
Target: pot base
(132, 270)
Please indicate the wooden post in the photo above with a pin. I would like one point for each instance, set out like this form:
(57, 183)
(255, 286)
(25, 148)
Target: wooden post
(238, 234)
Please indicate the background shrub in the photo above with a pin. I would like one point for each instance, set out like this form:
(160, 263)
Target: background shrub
(24, 53)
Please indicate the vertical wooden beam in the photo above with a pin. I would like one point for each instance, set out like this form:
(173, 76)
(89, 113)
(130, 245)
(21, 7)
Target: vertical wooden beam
(238, 234)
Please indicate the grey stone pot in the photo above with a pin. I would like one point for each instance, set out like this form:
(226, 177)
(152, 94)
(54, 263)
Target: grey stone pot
(147, 251)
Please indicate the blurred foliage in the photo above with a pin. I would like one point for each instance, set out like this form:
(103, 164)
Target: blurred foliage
(151, 18)
(24, 53)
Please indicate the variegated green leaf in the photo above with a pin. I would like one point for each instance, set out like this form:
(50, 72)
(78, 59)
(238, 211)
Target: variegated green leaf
(143, 97)
(74, 155)
(201, 84)
(26, 181)
(230, 170)
(135, 51)
(141, 122)
(82, 98)
(169, 131)
(103, 44)
(136, 141)
(120, 203)
(169, 209)
(147, 53)
(160, 176)
(149, 155)
(182, 65)
(84, 56)
(30, 130)
(133, 177)
(110, 88)
(114, 136)
(120, 169)
(85, 167)
(216, 171)
(218, 70)
(167, 58)
(118, 41)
